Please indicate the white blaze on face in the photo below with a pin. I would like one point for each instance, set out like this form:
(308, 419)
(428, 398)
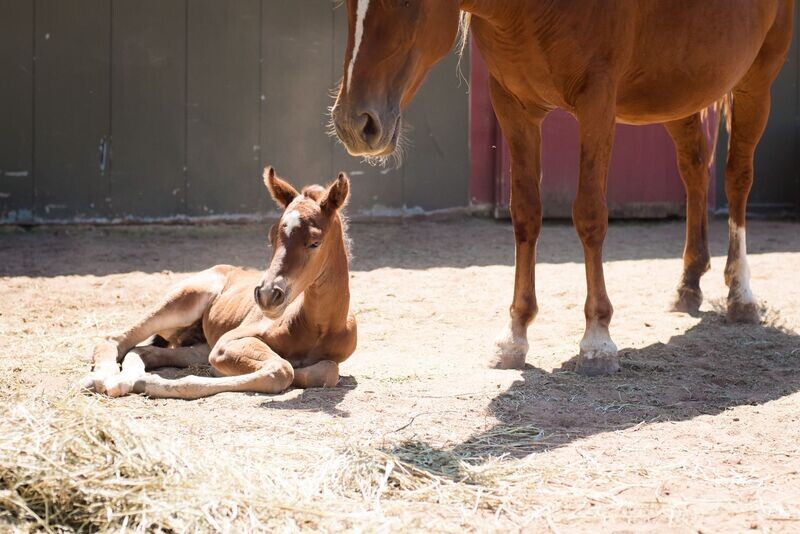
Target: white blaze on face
(291, 221)
(361, 14)
(741, 269)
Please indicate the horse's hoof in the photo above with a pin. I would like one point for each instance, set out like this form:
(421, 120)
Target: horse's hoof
(90, 382)
(328, 374)
(688, 300)
(117, 386)
(105, 351)
(510, 351)
(743, 312)
(592, 363)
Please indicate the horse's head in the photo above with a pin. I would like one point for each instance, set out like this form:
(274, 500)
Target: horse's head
(308, 233)
(392, 45)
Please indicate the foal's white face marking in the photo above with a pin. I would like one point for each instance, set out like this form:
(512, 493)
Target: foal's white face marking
(361, 14)
(291, 221)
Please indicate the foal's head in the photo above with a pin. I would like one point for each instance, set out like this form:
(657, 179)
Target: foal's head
(391, 47)
(307, 237)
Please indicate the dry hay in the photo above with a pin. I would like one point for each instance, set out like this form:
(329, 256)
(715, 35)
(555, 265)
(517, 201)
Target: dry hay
(70, 465)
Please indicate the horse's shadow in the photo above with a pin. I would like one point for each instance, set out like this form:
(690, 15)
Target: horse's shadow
(315, 399)
(708, 369)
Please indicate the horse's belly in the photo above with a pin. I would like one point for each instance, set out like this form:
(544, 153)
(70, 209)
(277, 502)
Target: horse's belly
(680, 68)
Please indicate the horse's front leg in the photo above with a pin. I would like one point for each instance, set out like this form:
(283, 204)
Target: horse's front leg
(323, 374)
(522, 128)
(595, 110)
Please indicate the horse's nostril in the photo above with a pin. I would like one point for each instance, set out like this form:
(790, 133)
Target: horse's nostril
(257, 294)
(371, 131)
(276, 296)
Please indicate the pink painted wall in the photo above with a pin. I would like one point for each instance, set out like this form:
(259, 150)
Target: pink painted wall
(643, 176)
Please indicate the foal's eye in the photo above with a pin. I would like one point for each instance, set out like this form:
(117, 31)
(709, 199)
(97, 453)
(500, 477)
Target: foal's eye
(315, 244)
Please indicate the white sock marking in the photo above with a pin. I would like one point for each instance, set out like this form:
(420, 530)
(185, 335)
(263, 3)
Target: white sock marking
(741, 269)
(291, 221)
(597, 342)
(361, 14)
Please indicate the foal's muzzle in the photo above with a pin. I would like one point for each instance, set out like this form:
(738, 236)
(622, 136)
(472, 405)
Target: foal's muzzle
(271, 298)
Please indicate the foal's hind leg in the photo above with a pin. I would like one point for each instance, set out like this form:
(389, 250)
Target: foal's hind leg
(141, 359)
(693, 160)
(183, 306)
(750, 111)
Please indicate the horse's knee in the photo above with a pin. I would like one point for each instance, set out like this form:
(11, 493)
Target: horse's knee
(221, 357)
(591, 223)
(283, 373)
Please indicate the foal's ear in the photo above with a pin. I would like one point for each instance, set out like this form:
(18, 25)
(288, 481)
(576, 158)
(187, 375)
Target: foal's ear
(336, 195)
(281, 191)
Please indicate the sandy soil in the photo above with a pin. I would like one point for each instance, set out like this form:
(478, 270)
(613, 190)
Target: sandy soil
(700, 430)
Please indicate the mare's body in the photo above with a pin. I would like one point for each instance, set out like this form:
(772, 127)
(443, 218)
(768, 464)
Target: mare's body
(634, 61)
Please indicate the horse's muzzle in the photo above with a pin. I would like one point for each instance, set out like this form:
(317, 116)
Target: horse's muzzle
(367, 132)
(271, 298)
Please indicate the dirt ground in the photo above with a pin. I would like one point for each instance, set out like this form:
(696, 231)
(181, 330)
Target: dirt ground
(700, 431)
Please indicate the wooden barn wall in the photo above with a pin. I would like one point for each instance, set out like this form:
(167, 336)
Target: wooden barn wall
(152, 109)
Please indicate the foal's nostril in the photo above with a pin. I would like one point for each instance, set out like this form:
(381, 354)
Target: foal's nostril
(257, 294)
(276, 296)
(371, 129)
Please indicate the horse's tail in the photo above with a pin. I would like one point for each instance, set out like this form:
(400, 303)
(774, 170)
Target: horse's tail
(721, 107)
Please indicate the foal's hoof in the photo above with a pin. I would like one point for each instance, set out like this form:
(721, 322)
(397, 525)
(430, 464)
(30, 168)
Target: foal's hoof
(743, 312)
(327, 374)
(509, 351)
(93, 382)
(688, 300)
(596, 364)
(117, 386)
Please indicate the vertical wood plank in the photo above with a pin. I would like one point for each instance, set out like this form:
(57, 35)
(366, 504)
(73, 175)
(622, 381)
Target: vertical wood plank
(148, 116)
(223, 150)
(16, 111)
(436, 172)
(295, 83)
(71, 106)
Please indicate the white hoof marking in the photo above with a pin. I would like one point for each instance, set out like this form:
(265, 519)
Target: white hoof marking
(510, 349)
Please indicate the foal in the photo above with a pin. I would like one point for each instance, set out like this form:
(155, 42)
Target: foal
(291, 326)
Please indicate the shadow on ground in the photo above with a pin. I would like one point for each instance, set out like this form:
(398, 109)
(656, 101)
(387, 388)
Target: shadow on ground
(315, 400)
(708, 369)
(460, 242)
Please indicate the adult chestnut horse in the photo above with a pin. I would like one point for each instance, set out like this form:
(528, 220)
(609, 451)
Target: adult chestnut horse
(261, 333)
(632, 61)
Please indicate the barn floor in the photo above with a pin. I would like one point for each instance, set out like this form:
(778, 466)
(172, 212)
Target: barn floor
(700, 431)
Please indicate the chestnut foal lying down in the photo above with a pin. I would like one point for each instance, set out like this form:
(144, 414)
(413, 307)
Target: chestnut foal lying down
(291, 326)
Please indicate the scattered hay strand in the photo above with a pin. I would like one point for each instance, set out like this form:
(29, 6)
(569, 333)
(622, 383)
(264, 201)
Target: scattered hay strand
(72, 465)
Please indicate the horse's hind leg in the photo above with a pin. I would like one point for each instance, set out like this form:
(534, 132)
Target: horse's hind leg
(750, 111)
(183, 306)
(156, 357)
(246, 363)
(141, 359)
(693, 161)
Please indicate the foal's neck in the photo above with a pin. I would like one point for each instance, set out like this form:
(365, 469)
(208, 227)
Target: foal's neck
(326, 302)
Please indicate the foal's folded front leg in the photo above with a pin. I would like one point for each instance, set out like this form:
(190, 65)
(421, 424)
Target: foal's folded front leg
(324, 374)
